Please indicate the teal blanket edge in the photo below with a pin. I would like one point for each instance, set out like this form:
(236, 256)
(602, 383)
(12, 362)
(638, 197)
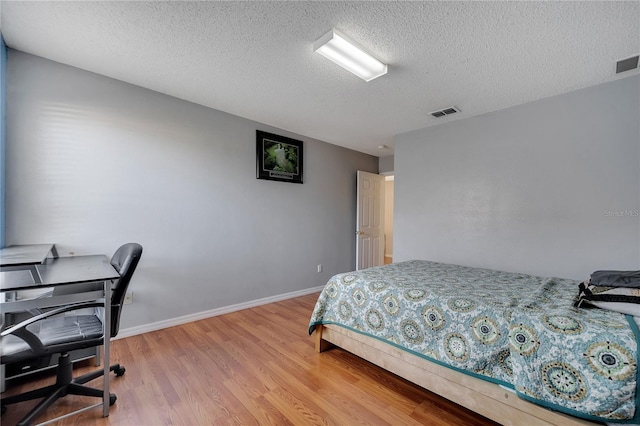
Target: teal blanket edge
(418, 354)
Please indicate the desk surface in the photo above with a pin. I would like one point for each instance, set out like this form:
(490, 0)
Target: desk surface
(31, 254)
(61, 271)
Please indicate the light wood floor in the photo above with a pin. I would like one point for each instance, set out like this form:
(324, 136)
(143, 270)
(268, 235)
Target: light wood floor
(256, 366)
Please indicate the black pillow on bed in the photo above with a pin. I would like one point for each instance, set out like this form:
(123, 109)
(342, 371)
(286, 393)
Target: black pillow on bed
(616, 279)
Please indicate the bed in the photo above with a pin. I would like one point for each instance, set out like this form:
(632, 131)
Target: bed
(509, 346)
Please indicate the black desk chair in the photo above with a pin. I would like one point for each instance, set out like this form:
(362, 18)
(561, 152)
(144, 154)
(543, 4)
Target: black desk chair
(52, 332)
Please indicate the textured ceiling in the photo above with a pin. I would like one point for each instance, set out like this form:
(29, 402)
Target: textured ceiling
(255, 59)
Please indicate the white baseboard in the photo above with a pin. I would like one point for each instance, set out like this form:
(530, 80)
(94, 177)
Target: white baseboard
(146, 328)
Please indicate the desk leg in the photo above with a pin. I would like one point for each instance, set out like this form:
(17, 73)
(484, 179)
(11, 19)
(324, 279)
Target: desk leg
(106, 346)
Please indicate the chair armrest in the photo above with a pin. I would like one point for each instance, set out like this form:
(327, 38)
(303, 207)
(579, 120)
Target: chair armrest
(48, 314)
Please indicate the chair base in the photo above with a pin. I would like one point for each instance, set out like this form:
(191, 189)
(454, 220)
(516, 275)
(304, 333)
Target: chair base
(65, 385)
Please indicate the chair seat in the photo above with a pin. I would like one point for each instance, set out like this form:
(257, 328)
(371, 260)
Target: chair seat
(55, 331)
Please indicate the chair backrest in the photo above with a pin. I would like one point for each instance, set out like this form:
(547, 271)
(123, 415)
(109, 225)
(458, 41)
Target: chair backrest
(124, 260)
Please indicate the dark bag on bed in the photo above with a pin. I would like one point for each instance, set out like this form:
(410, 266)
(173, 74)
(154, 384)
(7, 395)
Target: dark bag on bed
(620, 299)
(616, 279)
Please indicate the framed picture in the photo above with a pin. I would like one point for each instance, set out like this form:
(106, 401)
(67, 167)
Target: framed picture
(278, 158)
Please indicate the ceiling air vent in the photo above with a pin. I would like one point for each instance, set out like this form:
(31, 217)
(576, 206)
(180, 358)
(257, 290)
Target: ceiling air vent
(627, 64)
(445, 111)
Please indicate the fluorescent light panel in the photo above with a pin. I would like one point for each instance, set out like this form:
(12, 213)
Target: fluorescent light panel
(339, 49)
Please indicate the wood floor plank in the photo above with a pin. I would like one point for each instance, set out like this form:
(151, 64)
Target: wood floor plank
(297, 410)
(255, 366)
(262, 410)
(335, 403)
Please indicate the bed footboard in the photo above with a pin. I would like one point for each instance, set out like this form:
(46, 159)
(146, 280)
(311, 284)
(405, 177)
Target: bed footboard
(485, 398)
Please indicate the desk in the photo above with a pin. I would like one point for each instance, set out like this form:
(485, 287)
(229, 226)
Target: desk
(64, 271)
(26, 257)
(61, 271)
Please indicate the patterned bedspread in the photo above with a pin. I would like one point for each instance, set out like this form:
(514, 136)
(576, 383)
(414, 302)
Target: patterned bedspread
(516, 330)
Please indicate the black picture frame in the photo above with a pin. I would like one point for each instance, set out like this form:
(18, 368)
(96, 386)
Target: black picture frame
(278, 158)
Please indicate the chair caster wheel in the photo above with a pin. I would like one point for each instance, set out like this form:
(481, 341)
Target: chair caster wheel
(112, 398)
(120, 371)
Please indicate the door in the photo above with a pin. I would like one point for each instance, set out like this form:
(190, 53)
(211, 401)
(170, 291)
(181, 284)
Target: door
(370, 221)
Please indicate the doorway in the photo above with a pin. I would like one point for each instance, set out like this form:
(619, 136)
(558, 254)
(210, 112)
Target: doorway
(374, 220)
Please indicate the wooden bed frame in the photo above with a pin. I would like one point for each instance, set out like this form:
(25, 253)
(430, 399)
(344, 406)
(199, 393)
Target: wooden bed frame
(485, 398)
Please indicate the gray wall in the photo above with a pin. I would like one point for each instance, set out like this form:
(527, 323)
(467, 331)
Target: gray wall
(385, 164)
(94, 163)
(550, 188)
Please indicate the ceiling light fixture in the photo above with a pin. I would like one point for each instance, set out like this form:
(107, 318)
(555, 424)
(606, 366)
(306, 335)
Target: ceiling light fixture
(344, 52)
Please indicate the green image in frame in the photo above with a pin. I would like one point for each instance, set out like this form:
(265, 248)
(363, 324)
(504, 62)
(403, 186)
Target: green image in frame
(278, 158)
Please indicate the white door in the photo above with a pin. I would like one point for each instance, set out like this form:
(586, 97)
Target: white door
(370, 221)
